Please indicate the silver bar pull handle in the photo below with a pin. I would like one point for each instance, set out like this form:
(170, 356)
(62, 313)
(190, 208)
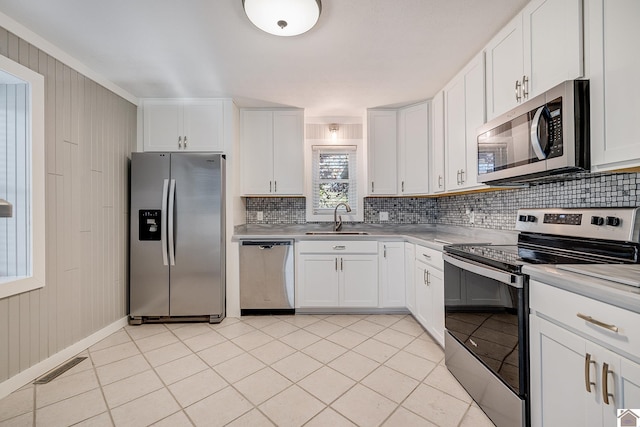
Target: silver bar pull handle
(605, 383)
(384, 252)
(275, 186)
(439, 181)
(518, 86)
(426, 256)
(424, 276)
(163, 222)
(270, 186)
(172, 199)
(596, 322)
(372, 186)
(339, 248)
(179, 142)
(461, 176)
(185, 142)
(525, 87)
(403, 186)
(428, 278)
(587, 372)
(336, 264)
(341, 265)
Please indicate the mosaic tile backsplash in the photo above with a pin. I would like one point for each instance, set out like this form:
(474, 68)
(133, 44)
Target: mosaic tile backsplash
(494, 209)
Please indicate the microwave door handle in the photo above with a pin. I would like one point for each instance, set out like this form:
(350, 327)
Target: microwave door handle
(535, 136)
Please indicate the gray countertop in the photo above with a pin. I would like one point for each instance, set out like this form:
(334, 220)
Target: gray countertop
(431, 235)
(617, 294)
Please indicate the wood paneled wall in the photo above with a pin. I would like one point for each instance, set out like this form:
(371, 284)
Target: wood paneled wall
(89, 135)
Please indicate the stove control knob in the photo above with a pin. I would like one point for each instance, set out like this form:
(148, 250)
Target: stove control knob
(531, 218)
(613, 221)
(597, 220)
(522, 218)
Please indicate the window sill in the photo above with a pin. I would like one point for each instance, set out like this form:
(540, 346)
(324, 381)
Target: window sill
(14, 285)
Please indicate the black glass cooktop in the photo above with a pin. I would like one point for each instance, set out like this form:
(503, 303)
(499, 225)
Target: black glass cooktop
(533, 248)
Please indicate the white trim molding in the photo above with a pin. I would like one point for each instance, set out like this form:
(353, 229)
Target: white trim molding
(30, 374)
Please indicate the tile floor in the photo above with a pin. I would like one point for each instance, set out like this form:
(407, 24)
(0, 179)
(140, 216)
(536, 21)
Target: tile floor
(311, 370)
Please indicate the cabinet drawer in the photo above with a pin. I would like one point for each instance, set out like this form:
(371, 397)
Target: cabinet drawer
(432, 257)
(340, 246)
(563, 307)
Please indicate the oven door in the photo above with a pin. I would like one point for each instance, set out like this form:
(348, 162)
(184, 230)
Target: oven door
(486, 336)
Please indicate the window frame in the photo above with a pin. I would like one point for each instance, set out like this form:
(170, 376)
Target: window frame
(36, 277)
(358, 214)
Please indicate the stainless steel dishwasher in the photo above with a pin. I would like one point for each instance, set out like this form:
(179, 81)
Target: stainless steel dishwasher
(266, 277)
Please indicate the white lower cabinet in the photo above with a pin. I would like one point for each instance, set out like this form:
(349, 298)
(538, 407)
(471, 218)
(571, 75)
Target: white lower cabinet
(337, 274)
(391, 274)
(429, 291)
(409, 274)
(574, 380)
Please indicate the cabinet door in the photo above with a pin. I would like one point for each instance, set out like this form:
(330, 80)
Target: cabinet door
(455, 133)
(358, 280)
(423, 303)
(409, 271)
(436, 294)
(614, 66)
(203, 125)
(629, 390)
(317, 281)
(552, 35)
(391, 274)
(504, 68)
(162, 125)
(437, 184)
(414, 149)
(558, 388)
(256, 147)
(474, 118)
(381, 152)
(288, 153)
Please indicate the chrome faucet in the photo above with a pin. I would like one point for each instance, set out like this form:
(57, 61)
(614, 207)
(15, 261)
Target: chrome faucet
(337, 219)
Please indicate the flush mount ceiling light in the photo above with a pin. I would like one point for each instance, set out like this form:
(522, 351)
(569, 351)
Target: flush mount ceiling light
(283, 17)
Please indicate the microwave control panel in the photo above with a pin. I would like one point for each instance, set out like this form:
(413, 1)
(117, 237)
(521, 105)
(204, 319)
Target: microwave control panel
(555, 128)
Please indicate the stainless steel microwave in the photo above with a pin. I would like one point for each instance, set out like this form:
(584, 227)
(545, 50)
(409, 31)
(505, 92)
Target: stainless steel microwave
(547, 135)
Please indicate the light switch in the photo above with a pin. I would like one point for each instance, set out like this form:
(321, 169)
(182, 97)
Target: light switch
(384, 216)
(259, 216)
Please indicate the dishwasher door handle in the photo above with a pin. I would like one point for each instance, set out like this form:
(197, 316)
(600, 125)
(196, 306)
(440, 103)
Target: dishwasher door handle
(265, 246)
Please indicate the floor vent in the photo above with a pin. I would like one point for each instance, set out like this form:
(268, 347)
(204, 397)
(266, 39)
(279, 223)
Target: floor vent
(59, 371)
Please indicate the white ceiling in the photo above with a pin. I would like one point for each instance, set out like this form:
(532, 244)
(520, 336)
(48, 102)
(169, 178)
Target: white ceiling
(361, 54)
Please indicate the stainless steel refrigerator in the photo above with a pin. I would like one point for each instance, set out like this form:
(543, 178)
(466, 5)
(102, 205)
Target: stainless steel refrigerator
(177, 257)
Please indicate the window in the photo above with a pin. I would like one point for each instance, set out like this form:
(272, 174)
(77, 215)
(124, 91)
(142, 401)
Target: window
(334, 178)
(22, 236)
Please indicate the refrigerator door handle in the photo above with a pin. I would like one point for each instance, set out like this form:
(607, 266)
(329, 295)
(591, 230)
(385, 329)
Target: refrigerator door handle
(172, 198)
(163, 222)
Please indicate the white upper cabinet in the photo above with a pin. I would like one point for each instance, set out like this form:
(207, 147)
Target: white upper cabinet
(614, 65)
(183, 125)
(437, 183)
(413, 148)
(463, 114)
(272, 152)
(505, 69)
(382, 152)
(539, 49)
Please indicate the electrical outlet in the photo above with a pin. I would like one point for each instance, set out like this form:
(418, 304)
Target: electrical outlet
(384, 216)
(259, 216)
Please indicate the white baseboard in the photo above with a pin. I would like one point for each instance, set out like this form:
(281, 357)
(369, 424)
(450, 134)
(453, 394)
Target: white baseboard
(30, 374)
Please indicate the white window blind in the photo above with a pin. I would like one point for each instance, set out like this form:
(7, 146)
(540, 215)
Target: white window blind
(334, 178)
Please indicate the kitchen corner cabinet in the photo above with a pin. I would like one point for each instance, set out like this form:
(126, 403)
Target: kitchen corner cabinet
(272, 152)
(613, 67)
(413, 149)
(183, 125)
(391, 274)
(337, 274)
(579, 364)
(382, 142)
(464, 113)
(539, 49)
(437, 184)
(429, 291)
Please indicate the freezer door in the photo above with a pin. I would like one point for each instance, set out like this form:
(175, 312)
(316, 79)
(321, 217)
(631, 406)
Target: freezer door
(149, 271)
(197, 278)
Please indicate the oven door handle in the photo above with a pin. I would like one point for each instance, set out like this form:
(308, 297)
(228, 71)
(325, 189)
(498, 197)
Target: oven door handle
(513, 280)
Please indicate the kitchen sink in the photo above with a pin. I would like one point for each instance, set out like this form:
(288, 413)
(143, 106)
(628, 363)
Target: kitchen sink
(329, 233)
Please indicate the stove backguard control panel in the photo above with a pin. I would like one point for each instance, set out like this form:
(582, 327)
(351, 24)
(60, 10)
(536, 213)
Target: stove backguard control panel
(619, 224)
